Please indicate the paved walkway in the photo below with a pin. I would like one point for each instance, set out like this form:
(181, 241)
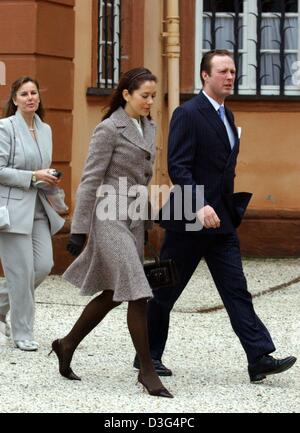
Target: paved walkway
(210, 369)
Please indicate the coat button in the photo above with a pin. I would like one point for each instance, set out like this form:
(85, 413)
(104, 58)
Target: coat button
(146, 174)
(148, 157)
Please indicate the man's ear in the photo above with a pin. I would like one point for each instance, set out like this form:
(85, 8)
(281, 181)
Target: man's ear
(204, 75)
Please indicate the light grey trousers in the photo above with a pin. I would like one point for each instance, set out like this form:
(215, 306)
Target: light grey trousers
(26, 261)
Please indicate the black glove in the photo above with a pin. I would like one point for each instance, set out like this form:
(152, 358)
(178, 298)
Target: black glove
(146, 238)
(76, 243)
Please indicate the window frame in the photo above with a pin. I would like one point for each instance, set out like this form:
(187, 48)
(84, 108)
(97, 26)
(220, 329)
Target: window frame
(109, 83)
(248, 87)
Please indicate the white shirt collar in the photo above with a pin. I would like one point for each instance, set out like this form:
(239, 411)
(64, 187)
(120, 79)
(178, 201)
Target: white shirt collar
(214, 103)
(138, 125)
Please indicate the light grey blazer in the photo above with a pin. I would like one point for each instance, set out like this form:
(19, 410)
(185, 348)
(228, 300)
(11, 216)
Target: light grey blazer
(29, 156)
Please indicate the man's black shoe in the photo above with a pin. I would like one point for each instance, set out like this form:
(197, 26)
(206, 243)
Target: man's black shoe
(160, 369)
(268, 365)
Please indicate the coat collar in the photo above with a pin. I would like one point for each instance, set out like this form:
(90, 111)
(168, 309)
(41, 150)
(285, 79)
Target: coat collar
(42, 137)
(24, 130)
(214, 120)
(127, 128)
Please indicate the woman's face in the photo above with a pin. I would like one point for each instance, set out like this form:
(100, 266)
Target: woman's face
(139, 102)
(27, 98)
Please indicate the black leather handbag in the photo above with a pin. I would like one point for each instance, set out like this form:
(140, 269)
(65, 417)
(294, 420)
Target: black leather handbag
(161, 273)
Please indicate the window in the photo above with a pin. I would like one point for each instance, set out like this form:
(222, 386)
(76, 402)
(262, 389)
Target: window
(263, 37)
(108, 65)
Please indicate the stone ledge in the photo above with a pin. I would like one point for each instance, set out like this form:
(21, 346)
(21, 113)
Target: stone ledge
(260, 236)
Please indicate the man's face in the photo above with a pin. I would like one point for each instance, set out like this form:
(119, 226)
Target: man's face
(219, 84)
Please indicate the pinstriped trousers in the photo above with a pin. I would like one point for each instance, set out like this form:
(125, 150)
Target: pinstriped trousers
(26, 261)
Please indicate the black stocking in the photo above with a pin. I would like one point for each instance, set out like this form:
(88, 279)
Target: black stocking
(91, 316)
(137, 325)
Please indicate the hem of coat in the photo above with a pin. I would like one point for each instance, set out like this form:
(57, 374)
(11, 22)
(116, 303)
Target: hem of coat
(115, 298)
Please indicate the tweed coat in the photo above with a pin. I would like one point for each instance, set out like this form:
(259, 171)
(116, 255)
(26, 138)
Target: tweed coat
(16, 190)
(113, 256)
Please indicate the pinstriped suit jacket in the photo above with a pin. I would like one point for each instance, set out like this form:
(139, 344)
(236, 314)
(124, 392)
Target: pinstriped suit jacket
(199, 153)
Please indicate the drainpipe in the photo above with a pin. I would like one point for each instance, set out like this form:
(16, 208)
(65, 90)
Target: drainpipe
(173, 54)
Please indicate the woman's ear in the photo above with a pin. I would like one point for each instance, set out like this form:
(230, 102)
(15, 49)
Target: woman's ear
(125, 94)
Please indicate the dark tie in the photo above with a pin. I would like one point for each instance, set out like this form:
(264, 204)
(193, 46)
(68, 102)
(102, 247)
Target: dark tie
(221, 112)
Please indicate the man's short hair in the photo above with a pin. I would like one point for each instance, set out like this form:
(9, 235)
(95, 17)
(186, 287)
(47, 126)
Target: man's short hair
(206, 60)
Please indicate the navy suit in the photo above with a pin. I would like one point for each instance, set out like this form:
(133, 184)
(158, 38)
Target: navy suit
(199, 153)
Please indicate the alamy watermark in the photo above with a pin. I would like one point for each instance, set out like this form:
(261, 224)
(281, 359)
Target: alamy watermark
(2, 74)
(137, 202)
(296, 74)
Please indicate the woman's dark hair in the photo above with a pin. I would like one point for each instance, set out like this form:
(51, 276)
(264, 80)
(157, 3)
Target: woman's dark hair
(130, 80)
(10, 108)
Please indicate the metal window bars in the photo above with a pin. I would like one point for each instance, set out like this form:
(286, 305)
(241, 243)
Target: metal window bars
(109, 43)
(213, 7)
(278, 10)
(280, 6)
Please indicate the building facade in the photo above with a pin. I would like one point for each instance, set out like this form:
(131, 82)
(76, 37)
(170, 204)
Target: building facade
(77, 49)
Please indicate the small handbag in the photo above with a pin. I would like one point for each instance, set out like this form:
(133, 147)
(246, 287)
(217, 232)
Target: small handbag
(54, 195)
(161, 273)
(4, 214)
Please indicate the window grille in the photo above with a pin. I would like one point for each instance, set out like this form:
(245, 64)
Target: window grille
(263, 36)
(109, 46)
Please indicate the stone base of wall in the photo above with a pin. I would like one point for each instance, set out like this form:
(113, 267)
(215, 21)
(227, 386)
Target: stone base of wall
(270, 234)
(262, 234)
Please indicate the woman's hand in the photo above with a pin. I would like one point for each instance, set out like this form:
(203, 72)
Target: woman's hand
(46, 176)
(146, 237)
(76, 243)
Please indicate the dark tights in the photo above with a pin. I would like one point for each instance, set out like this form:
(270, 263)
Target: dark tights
(95, 312)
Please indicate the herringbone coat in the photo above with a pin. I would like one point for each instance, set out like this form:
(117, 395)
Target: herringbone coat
(113, 256)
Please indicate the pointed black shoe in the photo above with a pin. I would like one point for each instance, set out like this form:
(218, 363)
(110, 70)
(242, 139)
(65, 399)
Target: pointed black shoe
(64, 366)
(159, 392)
(159, 367)
(268, 365)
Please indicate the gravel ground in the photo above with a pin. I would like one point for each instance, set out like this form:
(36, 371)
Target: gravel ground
(210, 368)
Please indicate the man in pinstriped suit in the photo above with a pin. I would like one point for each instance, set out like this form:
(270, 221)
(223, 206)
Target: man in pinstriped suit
(203, 149)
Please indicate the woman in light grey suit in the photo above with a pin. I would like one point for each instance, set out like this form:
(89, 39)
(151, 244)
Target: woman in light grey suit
(120, 160)
(25, 246)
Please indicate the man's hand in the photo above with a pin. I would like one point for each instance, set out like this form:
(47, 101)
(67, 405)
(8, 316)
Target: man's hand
(208, 217)
(76, 243)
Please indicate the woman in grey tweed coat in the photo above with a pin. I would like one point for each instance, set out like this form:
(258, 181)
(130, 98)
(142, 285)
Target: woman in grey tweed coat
(118, 166)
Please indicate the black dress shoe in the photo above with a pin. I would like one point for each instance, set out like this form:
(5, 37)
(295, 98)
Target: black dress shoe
(268, 365)
(160, 368)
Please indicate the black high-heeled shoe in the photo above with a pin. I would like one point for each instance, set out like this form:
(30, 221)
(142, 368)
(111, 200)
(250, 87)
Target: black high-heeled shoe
(64, 368)
(159, 392)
